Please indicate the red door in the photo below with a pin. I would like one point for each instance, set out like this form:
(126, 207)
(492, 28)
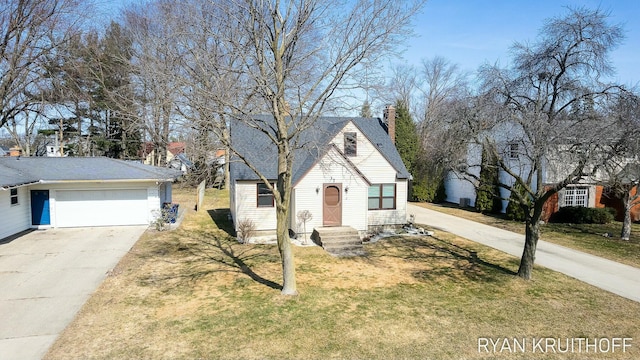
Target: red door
(332, 205)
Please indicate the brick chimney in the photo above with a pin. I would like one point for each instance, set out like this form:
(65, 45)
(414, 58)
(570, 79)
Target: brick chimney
(390, 119)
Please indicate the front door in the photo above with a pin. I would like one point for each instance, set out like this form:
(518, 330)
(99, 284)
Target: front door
(40, 207)
(332, 205)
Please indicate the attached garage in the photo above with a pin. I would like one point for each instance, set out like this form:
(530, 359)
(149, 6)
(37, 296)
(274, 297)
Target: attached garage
(101, 207)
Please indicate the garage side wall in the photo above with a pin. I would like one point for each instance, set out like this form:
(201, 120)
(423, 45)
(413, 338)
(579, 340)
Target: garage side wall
(14, 218)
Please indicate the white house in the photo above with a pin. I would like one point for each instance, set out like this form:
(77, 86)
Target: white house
(42, 192)
(348, 173)
(556, 165)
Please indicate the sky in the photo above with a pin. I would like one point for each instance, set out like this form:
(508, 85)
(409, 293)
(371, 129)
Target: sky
(473, 32)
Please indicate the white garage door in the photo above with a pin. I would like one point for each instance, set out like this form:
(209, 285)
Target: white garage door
(101, 207)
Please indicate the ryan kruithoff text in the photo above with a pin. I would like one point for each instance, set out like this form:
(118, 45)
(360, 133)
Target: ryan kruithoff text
(546, 345)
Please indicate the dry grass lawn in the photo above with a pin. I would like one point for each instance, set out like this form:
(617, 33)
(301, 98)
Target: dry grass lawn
(584, 237)
(195, 293)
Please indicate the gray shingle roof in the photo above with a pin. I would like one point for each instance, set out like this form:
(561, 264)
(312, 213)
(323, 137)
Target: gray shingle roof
(260, 151)
(23, 170)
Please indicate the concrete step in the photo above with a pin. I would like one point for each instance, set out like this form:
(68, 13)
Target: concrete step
(339, 241)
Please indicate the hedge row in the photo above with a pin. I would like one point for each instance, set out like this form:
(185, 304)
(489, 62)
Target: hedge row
(583, 215)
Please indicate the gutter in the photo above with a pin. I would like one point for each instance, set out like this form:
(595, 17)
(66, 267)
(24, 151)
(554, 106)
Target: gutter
(9, 187)
(103, 181)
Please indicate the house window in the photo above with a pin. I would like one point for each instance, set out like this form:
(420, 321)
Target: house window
(14, 196)
(350, 144)
(513, 150)
(265, 196)
(382, 197)
(576, 196)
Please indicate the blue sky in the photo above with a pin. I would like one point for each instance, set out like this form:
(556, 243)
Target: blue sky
(472, 32)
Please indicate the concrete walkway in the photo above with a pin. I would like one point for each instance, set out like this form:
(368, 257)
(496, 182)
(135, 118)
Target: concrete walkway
(609, 275)
(46, 276)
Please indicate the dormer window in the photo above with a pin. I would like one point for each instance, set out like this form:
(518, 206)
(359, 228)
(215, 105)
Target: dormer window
(350, 144)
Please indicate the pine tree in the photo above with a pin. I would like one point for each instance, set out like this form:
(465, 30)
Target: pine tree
(365, 112)
(406, 136)
(515, 209)
(488, 192)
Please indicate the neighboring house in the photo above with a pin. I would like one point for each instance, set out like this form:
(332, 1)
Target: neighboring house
(589, 192)
(41, 192)
(348, 173)
(148, 152)
(181, 162)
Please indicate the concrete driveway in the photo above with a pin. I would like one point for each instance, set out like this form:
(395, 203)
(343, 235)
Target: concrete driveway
(609, 275)
(45, 278)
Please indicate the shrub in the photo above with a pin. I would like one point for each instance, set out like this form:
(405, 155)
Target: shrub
(246, 230)
(515, 209)
(583, 215)
(488, 190)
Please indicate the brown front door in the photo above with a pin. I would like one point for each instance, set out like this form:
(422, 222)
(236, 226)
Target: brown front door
(332, 205)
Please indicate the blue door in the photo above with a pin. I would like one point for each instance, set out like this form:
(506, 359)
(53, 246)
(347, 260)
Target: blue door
(40, 207)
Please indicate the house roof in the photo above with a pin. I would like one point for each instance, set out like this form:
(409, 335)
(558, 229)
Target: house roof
(260, 151)
(16, 171)
(176, 147)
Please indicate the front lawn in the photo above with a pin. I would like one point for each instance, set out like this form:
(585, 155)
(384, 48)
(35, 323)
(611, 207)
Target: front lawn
(195, 293)
(596, 239)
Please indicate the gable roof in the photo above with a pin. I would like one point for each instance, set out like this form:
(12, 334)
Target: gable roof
(16, 171)
(261, 152)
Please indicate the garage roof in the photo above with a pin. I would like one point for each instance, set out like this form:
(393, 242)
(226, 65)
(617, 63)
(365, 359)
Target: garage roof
(16, 171)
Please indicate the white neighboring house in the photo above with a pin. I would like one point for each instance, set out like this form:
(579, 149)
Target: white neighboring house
(43, 192)
(588, 192)
(349, 173)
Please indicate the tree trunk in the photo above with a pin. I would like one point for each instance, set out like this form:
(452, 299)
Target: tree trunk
(286, 253)
(532, 234)
(282, 211)
(626, 222)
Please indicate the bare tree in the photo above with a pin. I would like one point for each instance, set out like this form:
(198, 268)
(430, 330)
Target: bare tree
(30, 33)
(541, 119)
(289, 59)
(155, 68)
(442, 96)
(442, 82)
(622, 171)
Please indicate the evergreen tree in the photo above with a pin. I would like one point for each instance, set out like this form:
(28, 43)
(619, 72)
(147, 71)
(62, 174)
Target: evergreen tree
(406, 136)
(365, 112)
(488, 192)
(516, 210)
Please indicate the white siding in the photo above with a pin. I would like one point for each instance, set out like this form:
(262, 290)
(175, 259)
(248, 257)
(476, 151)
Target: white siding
(369, 161)
(332, 168)
(14, 218)
(398, 216)
(247, 207)
(375, 167)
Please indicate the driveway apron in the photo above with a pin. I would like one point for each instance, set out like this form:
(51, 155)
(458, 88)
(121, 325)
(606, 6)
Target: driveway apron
(45, 278)
(608, 275)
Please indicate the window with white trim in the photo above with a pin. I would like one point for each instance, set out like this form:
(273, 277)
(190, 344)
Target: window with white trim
(14, 196)
(576, 196)
(265, 196)
(382, 197)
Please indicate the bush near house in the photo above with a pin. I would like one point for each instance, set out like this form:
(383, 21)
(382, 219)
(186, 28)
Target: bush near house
(583, 215)
(515, 209)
